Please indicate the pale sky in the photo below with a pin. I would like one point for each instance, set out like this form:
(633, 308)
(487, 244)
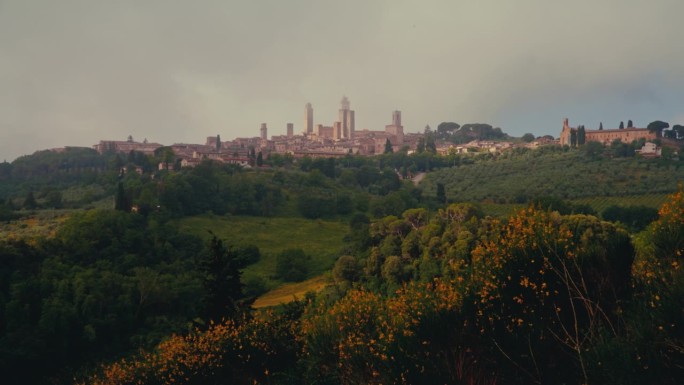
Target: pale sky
(75, 72)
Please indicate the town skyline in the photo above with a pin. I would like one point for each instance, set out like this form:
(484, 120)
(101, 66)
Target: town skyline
(74, 72)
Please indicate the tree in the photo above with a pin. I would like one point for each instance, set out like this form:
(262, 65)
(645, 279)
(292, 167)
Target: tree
(346, 269)
(441, 193)
(630, 124)
(447, 128)
(30, 201)
(593, 149)
(581, 135)
(430, 145)
(388, 147)
(528, 138)
(260, 160)
(218, 142)
(292, 265)
(221, 281)
(573, 138)
(658, 126)
(679, 130)
(622, 125)
(54, 199)
(420, 147)
(121, 201)
(600, 125)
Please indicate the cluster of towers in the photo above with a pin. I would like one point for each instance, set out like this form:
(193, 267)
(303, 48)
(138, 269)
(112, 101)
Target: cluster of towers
(341, 129)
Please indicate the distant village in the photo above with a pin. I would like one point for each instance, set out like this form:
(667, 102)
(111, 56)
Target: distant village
(342, 138)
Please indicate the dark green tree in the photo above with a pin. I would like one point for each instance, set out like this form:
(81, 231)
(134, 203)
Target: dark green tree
(430, 145)
(121, 201)
(30, 201)
(292, 265)
(346, 269)
(581, 135)
(221, 280)
(54, 199)
(630, 124)
(218, 142)
(658, 126)
(260, 160)
(593, 149)
(528, 138)
(573, 138)
(251, 154)
(679, 130)
(447, 128)
(441, 193)
(388, 147)
(622, 125)
(601, 126)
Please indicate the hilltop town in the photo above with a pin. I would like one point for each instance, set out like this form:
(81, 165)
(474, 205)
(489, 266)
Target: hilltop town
(342, 138)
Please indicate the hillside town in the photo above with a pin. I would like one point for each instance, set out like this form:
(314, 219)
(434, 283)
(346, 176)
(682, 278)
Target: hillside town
(342, 138)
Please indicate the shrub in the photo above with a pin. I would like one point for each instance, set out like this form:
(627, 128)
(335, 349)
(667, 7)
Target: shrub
(292, 265)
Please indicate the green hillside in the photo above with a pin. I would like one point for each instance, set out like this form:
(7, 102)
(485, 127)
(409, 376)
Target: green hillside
(519, 176)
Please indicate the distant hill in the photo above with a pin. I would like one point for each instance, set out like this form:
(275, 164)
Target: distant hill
(518, 176)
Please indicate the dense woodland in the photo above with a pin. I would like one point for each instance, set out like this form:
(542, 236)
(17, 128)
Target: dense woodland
(427, 288)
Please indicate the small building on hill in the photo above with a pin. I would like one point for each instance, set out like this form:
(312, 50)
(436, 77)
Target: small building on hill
(606, 137)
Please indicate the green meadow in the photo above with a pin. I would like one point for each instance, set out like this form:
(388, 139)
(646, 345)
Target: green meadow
(320, 239)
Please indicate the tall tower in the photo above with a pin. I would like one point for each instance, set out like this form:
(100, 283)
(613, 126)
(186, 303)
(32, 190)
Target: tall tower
(264, 131)
(396, 129)
(290, 130)
(308, 119)
(346, 120)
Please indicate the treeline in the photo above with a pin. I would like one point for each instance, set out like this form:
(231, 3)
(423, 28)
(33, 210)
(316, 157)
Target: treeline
(107, 284)
(312, 188)
(455, 297)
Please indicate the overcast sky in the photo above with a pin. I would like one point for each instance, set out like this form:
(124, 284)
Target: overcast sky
(75, 72)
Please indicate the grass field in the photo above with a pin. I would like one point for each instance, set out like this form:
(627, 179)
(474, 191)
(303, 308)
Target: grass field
(34, 224)
(320, 239)
(290, 291)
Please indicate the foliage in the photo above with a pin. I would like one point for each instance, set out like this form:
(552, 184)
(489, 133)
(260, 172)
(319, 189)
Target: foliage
(551, 171)
(636, 218)
(223, 289)
(658, 126)
(107, 283)
(292, 265)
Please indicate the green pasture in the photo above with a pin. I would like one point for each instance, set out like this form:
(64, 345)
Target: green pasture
(320, 239)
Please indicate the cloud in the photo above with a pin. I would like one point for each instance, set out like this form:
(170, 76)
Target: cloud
(74, 72)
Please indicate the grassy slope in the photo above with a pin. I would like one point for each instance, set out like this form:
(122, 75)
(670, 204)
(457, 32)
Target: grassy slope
(320, 239)
(565, 175)
(290, 291)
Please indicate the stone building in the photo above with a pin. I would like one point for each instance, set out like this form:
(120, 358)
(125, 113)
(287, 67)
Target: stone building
(606, 137)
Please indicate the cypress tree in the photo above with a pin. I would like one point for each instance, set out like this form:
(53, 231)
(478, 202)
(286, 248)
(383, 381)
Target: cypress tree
(388, 147)
(622, 125)
(120, 200)
(573, 138)
(601, 126)
(223, 288)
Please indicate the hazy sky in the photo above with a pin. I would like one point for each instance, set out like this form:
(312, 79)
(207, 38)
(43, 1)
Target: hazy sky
(74, 72)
